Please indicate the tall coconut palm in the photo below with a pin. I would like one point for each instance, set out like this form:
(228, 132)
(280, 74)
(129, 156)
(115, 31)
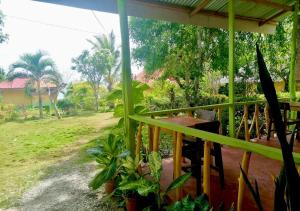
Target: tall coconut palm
(108, 42)
(36, 67)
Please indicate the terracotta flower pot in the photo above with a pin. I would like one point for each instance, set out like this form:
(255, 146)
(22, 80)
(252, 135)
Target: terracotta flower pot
(131, 204)
(109, 186)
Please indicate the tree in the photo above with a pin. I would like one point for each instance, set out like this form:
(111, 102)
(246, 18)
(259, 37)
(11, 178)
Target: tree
(183, 52)
(2, 74)
(3, 36)
(36, 67)
(108, 43)
(92, 66)
(57, 80)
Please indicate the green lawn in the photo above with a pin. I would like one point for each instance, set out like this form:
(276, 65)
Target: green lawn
(27, 149)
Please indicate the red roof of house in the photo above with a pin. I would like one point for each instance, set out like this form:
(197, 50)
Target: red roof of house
(20, 83)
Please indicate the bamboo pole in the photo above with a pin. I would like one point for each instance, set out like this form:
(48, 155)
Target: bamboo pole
(256, 114)
(245, 163)
(139, 141)
(231, 67)
(126, 77)
(150, 137)
(220, 120)
(240, 126)
(156, 139)
(178, 155)
(292, 76)
(206, 168)
(174, 152)
(292, 81)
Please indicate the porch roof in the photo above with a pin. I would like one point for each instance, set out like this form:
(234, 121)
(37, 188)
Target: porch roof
(251, 15)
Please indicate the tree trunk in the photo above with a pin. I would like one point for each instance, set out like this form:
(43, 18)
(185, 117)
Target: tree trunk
(40, 98)
(57, 114)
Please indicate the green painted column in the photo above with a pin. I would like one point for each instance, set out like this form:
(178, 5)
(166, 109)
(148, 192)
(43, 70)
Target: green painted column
(292, 80)
(126, 76)
(231, 67)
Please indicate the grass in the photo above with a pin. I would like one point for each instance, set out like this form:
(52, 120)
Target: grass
(29, 148)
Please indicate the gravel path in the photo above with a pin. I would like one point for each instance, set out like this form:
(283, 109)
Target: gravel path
(65, 190)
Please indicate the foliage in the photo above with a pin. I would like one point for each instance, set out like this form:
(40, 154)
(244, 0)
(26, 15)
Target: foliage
(81, 96)
(92, 66)
(2, 74)
(37, 68)
(3, 36)
(138, 90)
(107, 44)
(144, 186)
(182, 52)
(108, 155)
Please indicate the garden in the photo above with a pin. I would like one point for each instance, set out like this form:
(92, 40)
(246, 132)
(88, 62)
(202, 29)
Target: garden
(210, 123)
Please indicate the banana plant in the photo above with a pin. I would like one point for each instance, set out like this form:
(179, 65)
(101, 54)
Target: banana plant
(108, 155)
(137, 91)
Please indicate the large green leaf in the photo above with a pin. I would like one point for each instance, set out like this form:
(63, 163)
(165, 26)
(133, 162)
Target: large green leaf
(119, 110)
(188, 203)
(116, 94)
(142, 186)
(105, 175)
(202, 203)
(155, 165)
(178, 182)
(175, 207)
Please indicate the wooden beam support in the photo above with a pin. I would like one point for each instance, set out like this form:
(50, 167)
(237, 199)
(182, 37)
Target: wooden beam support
(200, 7)
(231, 67)
(272, 4)
(126, 77)
(292, 76)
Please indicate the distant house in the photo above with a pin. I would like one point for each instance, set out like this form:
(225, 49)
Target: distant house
(13, 92)
(143, 77)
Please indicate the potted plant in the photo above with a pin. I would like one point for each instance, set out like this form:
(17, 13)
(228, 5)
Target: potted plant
(108, 155)
(146, 187)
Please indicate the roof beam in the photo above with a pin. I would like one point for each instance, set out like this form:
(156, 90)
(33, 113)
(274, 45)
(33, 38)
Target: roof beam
(275, 5)
(277, 14)
(200, 6)
(155, 10)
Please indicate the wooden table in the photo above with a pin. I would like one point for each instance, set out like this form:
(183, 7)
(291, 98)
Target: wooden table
(186, 121)
(295, 106)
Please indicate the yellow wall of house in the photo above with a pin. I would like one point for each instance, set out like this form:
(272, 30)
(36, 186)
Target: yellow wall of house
(18, 97)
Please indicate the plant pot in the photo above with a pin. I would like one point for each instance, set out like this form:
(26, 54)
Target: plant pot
(131, 204)
(109, 186)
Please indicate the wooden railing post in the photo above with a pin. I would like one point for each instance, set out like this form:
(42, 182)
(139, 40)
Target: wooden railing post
(256, 114)
(139, 141)
(139, 145)
(178, 159)
(156, 139)
(206, 168)
(245, 163)
(220, 120)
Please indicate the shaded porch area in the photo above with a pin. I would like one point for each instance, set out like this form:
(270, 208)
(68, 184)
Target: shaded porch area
(263, 169)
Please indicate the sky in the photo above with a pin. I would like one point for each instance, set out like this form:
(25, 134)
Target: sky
(59, 30)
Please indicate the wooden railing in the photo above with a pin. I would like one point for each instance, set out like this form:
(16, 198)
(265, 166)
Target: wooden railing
(246, 145)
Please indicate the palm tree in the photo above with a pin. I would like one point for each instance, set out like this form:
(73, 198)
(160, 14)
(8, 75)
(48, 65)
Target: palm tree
(108, 42)
(57, 80)
(36, 67)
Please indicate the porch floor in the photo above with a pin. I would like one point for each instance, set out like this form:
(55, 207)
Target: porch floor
(261, 168)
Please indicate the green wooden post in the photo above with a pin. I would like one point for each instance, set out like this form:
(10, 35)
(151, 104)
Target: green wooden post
(231, 67)
(126, 77)
(292, 80)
